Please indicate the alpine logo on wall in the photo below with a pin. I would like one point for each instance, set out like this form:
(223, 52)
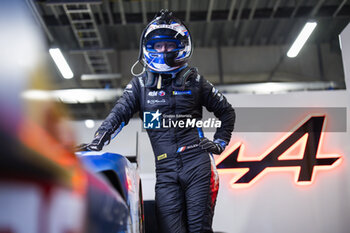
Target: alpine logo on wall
(308, 134)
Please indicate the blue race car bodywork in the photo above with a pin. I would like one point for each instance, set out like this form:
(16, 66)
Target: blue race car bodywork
(122, 176)
(103, 163)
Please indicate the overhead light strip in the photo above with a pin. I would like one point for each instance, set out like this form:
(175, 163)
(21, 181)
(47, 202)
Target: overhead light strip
(61, 63)
(301, 39)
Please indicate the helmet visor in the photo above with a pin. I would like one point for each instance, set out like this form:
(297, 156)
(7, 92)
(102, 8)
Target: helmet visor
(164, 45)
(165, 35)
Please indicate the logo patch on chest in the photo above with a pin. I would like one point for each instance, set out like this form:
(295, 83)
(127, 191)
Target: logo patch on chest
(182, 92)
(156, 101)
(156, 93)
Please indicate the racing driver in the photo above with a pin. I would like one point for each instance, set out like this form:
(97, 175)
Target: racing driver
(187, 181)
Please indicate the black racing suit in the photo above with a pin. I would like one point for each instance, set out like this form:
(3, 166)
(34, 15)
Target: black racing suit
(187, 181)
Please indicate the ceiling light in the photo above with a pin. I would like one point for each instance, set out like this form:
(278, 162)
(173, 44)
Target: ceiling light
(61, 63)
(37, 95)
(301, 39)
(100, 76)
(90, 124)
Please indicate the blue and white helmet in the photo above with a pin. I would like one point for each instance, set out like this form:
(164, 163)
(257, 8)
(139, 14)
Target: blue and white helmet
(165, 27)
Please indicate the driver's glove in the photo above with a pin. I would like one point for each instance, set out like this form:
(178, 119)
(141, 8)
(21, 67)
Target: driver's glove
(101, 139)
(216, 147)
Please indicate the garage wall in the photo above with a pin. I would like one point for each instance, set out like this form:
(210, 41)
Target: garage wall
(275, 203)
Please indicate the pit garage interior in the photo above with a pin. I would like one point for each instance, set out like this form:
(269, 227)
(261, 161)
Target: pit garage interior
(241, 47)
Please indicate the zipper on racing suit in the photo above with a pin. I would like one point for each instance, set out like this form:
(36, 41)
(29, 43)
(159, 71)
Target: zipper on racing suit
(173, 98)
